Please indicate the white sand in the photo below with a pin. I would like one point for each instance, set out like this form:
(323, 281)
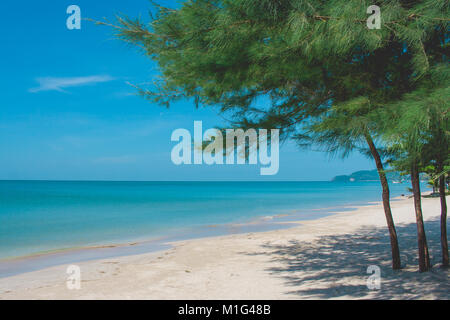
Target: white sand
(321, 259)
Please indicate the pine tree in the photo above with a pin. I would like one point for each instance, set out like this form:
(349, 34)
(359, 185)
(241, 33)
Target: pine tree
(420, 136)
(304, 57)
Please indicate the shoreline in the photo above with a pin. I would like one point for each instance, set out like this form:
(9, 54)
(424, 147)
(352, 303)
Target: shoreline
(251, 265)
(143, 215)
(276, 220)
(44, 259)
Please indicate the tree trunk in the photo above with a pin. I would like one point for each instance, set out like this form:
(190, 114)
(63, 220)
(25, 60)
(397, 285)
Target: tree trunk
(424, 257)
(396, 263)
(444, 242)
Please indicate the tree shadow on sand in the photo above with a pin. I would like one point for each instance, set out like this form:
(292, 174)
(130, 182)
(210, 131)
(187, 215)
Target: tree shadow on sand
(336, 266)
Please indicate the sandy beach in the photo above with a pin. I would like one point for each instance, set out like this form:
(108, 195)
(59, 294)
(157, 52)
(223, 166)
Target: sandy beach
(325, 258)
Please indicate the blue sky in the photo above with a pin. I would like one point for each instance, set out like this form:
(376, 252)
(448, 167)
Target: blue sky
(67, 112)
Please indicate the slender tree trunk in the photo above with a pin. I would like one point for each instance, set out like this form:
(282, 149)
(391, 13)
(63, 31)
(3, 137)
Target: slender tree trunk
(444, 242)
(396, 263)
(424, 257)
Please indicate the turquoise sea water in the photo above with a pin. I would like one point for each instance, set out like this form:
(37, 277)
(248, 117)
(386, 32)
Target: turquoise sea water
(40, 216)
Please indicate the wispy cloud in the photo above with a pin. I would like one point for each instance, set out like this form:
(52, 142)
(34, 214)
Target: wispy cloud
(59, 84)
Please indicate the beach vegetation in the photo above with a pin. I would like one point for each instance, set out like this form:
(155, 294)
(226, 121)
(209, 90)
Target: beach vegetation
(315, 71)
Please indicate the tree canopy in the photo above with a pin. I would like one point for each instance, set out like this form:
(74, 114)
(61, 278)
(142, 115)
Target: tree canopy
(313, 69)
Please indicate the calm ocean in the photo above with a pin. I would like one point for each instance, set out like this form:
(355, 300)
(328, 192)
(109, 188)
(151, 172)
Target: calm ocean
(41, 216)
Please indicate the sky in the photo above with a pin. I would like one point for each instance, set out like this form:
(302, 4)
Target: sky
(67, 111)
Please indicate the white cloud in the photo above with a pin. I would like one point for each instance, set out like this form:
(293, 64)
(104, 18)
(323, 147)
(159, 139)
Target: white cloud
(58, 84)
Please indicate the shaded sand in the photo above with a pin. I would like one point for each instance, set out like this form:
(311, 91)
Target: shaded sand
(320, 259)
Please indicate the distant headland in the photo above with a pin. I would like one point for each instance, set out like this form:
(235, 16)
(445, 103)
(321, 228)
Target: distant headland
(369, 175)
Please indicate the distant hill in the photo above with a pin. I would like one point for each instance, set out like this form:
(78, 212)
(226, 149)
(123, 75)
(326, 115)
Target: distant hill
(367, 175)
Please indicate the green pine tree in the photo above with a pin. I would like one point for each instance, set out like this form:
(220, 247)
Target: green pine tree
(287, 64)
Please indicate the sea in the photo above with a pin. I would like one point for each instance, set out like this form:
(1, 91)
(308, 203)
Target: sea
(67, 220)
